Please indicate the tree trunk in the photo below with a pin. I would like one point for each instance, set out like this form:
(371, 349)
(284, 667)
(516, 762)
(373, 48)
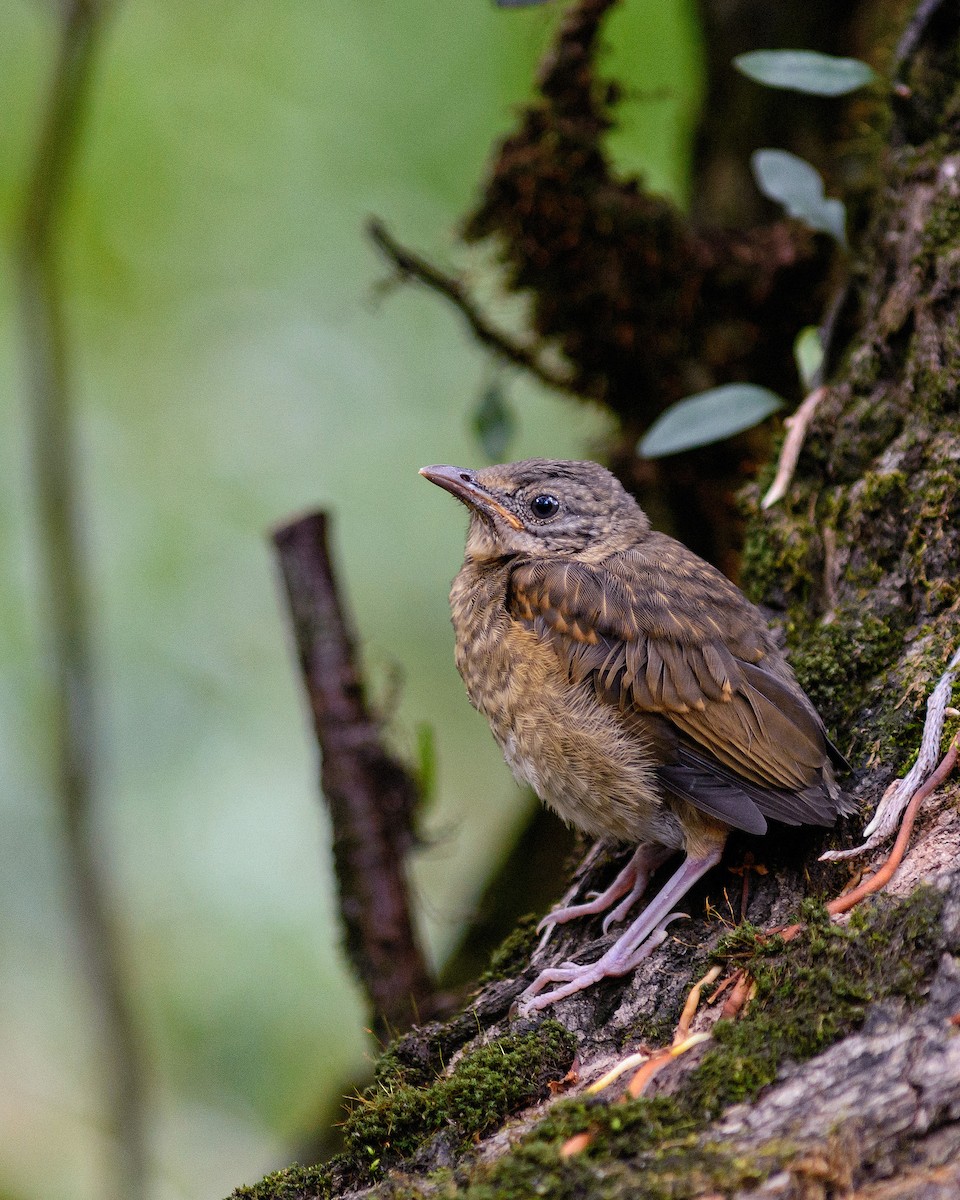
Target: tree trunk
(841, 1077)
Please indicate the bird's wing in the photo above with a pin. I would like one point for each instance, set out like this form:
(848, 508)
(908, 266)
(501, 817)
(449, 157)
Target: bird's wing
(662, 633)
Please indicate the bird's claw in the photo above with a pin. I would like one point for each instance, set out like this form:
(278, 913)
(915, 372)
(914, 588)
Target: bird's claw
(573, 977)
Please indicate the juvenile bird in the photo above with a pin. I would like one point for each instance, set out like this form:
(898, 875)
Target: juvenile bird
(630, 684)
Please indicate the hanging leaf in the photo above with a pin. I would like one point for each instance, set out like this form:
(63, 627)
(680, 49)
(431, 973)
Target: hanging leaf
(708, 417)
(805, 71)
(794, 183)
(493, 421)
(808, 355)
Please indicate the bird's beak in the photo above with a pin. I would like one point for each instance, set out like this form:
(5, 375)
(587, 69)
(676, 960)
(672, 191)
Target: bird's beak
(462, 483)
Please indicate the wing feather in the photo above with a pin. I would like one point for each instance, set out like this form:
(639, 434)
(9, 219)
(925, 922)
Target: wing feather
(748, 743)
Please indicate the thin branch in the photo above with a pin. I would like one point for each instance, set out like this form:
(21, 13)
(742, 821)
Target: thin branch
(371, 797)
(797, 426)
(64, 579)
(411, 265)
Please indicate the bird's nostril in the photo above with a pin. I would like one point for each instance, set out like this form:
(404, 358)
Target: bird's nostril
(466, 477)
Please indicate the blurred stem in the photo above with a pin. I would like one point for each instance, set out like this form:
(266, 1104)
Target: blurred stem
(64, 578)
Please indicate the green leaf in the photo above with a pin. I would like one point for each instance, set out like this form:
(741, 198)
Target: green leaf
(493, 421)
(805, 71)
(794, 183)
(808, 355)
(708, 417)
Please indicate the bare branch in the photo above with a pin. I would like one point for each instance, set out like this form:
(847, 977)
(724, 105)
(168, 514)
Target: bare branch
(412, 266)
(797, 426)
(371, 797)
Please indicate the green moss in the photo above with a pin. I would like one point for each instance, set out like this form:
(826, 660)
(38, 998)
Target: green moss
(880, 646)
(744, 941)
(835, 662)
(293, 1183)
(777, 563)
(883, 491)
(413, 1060)
(951, 725)
(936, 517)
(809, 993)
(393, 1120)
(893, 730)
(814, 990)
(653, 1132)
(865, 428)
(941, 229)
(646, 1147)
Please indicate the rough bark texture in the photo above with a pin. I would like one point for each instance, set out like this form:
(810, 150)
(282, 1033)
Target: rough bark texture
(842, 1078)
(861, 559)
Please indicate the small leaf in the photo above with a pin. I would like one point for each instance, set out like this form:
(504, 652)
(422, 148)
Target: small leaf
(808, 355)
(708, 417)
(794, 183)
(805, 71)
(493, 422)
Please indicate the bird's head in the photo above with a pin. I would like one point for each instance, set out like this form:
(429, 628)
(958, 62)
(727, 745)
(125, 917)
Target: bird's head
(543, 507)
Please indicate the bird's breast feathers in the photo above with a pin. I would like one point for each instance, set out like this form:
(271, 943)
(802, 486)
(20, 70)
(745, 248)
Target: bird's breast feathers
(571, 749)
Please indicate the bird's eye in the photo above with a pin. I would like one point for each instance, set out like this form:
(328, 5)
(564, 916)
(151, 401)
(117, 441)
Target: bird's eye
(544, 506)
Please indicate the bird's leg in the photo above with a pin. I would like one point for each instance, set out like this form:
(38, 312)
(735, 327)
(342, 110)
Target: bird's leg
(636, 943)
(631, 883)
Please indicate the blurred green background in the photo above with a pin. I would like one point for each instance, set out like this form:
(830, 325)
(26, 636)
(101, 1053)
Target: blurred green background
(235, 366)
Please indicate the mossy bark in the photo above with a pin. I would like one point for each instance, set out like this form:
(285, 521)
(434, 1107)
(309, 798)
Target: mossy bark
(862, 559)
(846, 1069)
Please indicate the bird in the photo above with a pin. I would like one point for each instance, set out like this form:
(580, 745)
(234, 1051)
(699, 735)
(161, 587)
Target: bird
(632, 685)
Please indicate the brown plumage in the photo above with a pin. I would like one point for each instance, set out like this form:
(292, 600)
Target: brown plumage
(631, 684)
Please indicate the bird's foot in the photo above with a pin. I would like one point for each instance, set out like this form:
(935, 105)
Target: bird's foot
(630, 883)
(573, 977)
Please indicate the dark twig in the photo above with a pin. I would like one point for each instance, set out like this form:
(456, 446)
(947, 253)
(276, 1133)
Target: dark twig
(64, 576)
(371, 797)
(411, 265)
